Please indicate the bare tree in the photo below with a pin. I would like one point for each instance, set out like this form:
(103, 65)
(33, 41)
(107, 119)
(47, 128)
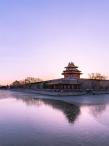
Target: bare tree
(27, 80)
(15, 83)
(96, 80)
(97, 76)
(32, 80)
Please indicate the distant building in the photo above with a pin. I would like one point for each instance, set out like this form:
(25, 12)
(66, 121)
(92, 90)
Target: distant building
(71, 71)
(71, 82)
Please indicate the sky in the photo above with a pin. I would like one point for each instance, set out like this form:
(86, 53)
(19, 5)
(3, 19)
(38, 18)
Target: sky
(39, 37)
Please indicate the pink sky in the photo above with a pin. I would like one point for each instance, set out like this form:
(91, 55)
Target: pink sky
(39, 38)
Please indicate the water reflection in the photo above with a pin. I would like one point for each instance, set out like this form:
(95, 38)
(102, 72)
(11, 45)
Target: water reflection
(100, 113)
(70, 111)
(26, 120)
(97, 110)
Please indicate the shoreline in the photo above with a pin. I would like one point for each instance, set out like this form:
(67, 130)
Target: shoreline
(78, 100)
(60, 93)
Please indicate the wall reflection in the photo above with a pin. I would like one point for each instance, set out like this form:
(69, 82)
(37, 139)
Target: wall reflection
(70, 111)
(97, 110)
(100, 113)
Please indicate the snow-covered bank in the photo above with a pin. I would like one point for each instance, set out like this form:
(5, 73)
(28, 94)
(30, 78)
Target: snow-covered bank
(61, 92)
(83, 99)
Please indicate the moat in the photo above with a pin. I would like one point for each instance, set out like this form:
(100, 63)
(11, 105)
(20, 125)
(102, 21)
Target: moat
(34, 120)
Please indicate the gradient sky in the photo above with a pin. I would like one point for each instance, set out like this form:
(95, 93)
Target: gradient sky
(39, 37)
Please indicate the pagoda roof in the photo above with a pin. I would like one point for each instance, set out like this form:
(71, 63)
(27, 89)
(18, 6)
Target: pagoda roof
(71, 69)
(71, 65)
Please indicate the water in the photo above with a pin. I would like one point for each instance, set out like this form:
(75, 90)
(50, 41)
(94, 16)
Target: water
(26, 120)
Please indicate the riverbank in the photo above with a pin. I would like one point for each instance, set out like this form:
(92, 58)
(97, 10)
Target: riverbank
(51, 92)
(61, 92)
(80, 99)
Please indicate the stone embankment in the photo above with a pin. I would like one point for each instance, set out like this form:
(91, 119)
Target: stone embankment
(61, 92)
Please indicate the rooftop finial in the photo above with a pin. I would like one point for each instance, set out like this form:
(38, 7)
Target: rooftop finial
(71, 64)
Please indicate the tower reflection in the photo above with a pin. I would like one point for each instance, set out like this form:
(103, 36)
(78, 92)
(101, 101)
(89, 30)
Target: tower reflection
(70, 111)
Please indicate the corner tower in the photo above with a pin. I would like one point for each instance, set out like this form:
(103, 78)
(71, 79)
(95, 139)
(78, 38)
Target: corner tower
(71, 71)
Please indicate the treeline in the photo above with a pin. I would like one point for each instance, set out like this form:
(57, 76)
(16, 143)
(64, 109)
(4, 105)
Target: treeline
(97, 76)
(27, 80)
(4, 87)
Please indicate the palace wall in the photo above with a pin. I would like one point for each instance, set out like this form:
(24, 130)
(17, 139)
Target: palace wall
(94, 84)
(84, 84)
